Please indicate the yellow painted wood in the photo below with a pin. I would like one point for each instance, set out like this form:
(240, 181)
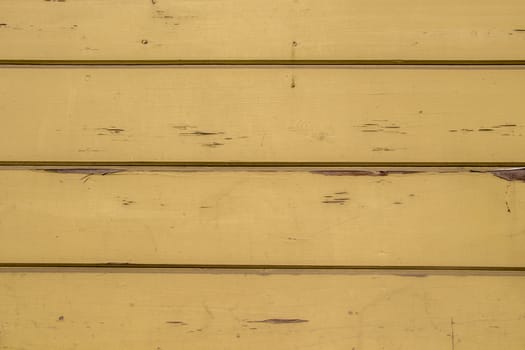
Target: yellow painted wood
(192, 310)
(347, 114)
(262, 29)
(262, 217)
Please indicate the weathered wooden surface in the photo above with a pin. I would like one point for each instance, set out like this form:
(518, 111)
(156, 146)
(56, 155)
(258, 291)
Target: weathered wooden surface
(240, 310)
(262, 29)
(345, 114)
(260, 217)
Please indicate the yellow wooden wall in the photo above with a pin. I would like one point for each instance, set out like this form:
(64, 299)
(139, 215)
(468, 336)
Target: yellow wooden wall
(254, 174)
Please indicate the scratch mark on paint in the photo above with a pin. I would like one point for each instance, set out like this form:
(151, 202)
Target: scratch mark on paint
(213, 144)
(201, 133)
(280, 320)
(452, 333)
(507, 198)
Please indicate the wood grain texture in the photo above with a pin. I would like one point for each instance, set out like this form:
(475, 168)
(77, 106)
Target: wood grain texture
(261, 29)
(263, 217)
(345, 114)
(192, 310)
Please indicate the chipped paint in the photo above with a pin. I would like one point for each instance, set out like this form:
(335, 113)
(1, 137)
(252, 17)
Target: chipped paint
(280, 320)
(517, 174)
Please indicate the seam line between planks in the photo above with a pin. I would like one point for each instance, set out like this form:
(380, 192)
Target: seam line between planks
(265, 62)
(116, 265)
(258, 164)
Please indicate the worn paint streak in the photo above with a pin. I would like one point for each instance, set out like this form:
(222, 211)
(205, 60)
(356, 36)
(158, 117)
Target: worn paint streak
(85, 171)
(280, 320)
(113, 130)
(363, 172)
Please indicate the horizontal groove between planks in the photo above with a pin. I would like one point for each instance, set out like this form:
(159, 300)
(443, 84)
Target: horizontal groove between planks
(164, 164)
(22, 62)
(258, 269)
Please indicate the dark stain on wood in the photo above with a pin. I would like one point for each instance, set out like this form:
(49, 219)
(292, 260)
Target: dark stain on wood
(144, 42)
(3, 25)
(280, 320)
(180, 323)
(61, 318)
(519, 30)
(485, 129)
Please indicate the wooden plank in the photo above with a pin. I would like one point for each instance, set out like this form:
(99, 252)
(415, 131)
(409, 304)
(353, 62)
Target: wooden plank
(263, 217)
(345, 114)
(192, 310)
(262, 29)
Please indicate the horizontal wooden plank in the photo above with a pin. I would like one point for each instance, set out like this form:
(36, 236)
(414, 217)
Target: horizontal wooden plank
(345, 114)
(240, 217)
(191, 310)
(261, 29)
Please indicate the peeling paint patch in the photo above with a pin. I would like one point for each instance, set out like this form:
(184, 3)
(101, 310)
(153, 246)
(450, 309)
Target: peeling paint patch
(510, 174)
(280, 320)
